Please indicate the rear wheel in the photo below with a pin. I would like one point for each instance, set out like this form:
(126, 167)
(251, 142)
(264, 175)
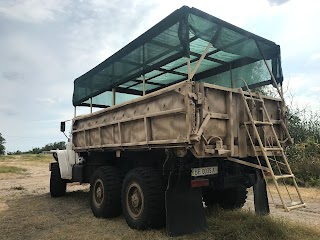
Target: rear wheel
(231, 198)
(58, 185)
(210, 197)
(105, 192)
(143, 199)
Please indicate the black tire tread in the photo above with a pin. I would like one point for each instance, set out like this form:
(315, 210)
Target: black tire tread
(229, 199)
(234, 198)
(112, 180)
(58, 185)
(154, 198)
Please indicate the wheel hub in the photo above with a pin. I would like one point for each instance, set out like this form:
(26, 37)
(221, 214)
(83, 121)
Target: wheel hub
(135, 200)
(98, 193)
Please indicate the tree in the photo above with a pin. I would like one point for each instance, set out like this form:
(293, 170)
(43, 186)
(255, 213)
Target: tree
(2, 147)
(48, 147)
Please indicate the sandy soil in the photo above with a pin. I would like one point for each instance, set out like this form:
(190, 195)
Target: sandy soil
(28, 193)
(35, 181)
(310, 215)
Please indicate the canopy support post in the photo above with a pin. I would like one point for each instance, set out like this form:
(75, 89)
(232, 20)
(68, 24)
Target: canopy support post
(143, 76)
(144, 85)
(189, 69)
(200, 60)
(274, 80)
(75, 112)
(231, 82)
(271, 74)
(113, 96)
(91, 105)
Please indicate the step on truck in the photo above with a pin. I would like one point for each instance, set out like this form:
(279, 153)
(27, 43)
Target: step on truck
(176, 122)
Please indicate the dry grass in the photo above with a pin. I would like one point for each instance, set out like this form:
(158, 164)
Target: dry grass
(11, 169)
(19, 188)
(39, 158)
(14, 166)
(27, 158)
(38, 216)
(309, 194)
(246, 225)
(70, 217)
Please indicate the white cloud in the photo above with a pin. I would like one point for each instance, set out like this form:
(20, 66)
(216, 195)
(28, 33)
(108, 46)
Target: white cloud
(299, 34)
(35, 11)
(46, 101)
(45, 45)
(303, 90)
(315, 56)
(277, 2)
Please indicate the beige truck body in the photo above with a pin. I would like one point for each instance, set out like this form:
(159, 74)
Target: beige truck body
(205, 118)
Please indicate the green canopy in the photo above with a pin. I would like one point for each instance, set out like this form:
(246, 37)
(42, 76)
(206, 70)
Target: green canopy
(160, 57)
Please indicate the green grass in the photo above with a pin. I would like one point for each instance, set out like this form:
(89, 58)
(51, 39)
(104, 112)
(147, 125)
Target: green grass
(12, 169)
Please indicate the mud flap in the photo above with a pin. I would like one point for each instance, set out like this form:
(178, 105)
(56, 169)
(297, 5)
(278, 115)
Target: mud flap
(261, 204)
(184, 209)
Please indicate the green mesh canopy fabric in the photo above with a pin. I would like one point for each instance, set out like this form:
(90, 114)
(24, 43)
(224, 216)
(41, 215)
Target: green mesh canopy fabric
(160, 56)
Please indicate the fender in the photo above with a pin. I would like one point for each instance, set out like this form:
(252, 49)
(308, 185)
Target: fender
(66, 159)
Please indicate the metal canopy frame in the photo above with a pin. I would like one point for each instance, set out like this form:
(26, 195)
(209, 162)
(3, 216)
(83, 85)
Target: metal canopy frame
(138, 74)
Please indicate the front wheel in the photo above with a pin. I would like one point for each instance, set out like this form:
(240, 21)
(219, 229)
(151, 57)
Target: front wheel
(58, 185)
(143, 199)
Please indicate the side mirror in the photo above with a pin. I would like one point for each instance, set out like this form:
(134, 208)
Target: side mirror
(62, 126)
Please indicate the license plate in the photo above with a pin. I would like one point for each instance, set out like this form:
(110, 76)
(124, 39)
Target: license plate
(196, 172)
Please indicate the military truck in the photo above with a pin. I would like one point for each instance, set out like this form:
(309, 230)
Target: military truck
(179, 125)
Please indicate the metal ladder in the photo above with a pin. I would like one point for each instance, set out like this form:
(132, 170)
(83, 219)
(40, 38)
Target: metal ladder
(267, 148)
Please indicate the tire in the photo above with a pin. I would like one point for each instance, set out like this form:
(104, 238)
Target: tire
(229, 199)
(105, 192)
(58, 185)
(143, 199)
(210, 197)
(233, 198)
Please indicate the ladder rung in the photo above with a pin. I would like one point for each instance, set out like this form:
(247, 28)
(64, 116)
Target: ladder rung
(253, 98)
(297, 205)
(283, 176)
(292, 206)
(276, 121)
(247, 97)
(258, 149)
(258, 123)
(273, 149)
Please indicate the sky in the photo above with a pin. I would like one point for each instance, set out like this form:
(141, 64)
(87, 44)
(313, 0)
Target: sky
(45, 45)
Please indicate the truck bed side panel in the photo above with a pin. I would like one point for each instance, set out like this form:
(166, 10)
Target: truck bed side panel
(157, 118)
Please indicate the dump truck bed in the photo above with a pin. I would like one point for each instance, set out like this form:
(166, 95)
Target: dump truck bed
(175, 117)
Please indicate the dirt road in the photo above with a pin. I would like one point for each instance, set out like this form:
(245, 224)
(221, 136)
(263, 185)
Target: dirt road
(27, 194)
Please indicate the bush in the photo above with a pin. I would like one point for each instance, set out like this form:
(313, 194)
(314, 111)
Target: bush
(304, 154)
(305, 162)
(2, 147)
(304, 125)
